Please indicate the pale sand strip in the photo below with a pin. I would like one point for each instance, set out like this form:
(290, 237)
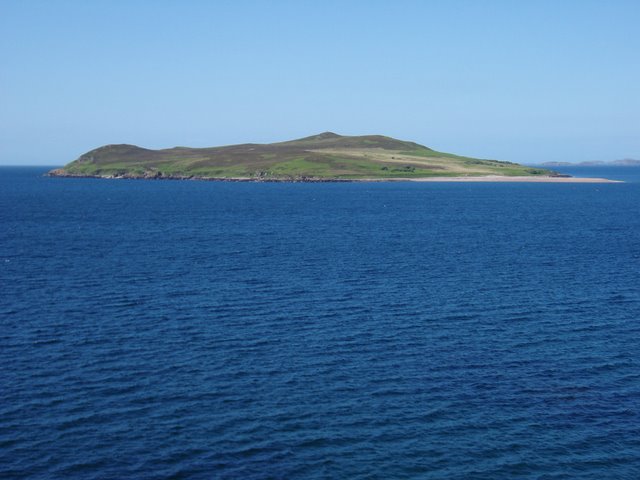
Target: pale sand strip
(493, 178)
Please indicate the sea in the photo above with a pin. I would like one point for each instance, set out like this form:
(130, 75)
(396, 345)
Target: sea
(213, 330)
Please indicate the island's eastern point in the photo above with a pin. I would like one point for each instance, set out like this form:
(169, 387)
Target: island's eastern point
(326, 157)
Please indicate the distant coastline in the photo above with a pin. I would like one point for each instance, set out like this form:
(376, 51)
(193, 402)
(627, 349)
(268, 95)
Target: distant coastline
(626, 162)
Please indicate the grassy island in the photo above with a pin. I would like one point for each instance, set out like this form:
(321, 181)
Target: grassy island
(323, 157)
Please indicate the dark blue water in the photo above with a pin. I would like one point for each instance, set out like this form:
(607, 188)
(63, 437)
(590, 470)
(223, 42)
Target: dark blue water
(233, 330)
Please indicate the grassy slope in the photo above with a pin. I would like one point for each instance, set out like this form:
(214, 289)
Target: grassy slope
(321, 156)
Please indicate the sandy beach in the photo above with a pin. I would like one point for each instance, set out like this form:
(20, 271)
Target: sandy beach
(494, 178)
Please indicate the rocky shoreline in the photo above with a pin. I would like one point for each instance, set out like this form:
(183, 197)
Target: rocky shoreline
(159, 176)
(304, 179)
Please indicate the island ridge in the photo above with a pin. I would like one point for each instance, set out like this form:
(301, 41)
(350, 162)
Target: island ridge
(323, 157)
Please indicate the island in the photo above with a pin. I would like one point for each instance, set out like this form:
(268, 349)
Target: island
(326, 157)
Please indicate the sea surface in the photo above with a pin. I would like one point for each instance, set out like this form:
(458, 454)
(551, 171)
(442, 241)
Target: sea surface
(198, 330)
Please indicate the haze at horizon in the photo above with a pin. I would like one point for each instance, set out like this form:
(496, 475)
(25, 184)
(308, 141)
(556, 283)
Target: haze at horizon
(528, 83)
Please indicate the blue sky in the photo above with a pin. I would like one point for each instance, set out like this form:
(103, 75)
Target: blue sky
(512, 80)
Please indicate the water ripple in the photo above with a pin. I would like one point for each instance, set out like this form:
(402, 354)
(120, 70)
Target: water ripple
(183, 330)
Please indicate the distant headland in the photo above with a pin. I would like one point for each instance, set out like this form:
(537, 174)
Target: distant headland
(625, 162)
(326, 157)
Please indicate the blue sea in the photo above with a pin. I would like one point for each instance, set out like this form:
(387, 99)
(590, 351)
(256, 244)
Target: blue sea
(199, 330)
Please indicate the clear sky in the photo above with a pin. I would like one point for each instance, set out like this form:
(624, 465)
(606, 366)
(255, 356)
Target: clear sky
(525, 81)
